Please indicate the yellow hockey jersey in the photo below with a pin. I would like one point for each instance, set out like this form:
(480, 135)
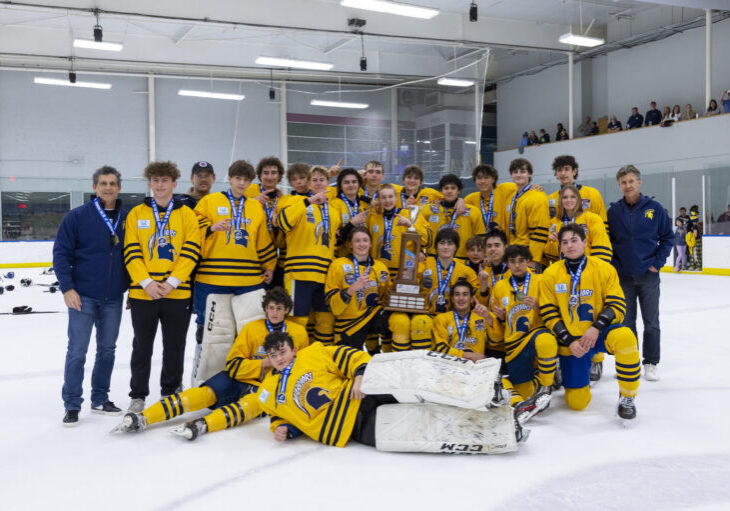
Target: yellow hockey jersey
(424, 196)
(243, 362)
(316, 394)
(590, 198)
(499, 207)
(389, 253)
(598, 243)
(446, 334)
(520, 320)
(230, 258)
(170, 255)
(347, 210)
(438, 217)
(309, 248)
(352, 313)
(427, 272)
(531, 221)
(598, 289)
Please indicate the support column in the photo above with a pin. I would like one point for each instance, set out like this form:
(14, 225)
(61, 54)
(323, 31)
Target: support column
(708, 56)
(151, 122)
(283, 131)
(571, 93)
(478, 110)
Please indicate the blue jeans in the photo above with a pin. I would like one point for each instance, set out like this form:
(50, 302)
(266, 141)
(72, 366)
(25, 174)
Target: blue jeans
(106, 316)
(645, 288)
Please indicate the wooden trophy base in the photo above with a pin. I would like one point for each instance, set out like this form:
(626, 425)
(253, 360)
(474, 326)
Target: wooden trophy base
(406, 298)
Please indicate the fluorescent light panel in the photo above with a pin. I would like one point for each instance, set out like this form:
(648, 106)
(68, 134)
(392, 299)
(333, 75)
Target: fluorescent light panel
(455, 82)
(338, 104)
(297, 64)
(66, 83)
(580, 40)
(412, 11)
(210, 95)
(93, 45)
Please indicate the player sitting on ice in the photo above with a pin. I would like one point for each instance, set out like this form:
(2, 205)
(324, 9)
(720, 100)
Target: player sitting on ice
(582, 302)
(246, 366)
(316, 391)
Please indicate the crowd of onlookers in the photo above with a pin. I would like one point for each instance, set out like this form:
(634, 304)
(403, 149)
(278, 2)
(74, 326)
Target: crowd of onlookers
(666, 117)
(688, 229)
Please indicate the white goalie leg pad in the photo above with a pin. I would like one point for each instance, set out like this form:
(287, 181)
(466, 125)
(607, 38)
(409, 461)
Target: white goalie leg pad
(446, 429)
(219, 332)
(247, 307)
(430, 376)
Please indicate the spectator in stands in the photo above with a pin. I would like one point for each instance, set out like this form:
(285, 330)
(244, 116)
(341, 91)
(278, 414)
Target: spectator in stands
(726, 101)
(666, 116)
(594, 128)
(544, 137)
(712, 108)
(559, 130)
(585, 129)
(683, 217)
(688, 113)
(614, 124)
(532, 138)
(653, 116)
(725, 217)
(676, 114)
(636, 120)
(680, 242)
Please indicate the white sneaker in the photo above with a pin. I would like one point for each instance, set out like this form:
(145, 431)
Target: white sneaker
(650, 372)
(136, 405)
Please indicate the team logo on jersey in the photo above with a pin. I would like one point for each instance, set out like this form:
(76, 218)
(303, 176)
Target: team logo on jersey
(347, 267)
(162, 246)
(143, 224)
(427, 278)
(376, 228)
(350, 278)
(345, 218)
(310, 215)
(435, 208)
(585, 228)
(479, 325)
(383, 276)
(423, 200)
(561, 288)
(505, 301)
(260, 352)
(586, 204)
(450, 329)
(223, 210)
(307, 397)
(553, 211)
(517, 320)
(433, 219)
(551, 202)
(649, 213)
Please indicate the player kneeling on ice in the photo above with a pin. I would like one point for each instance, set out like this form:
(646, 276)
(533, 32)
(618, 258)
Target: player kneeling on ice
(581, 301)
(318, 392)
(246, 366)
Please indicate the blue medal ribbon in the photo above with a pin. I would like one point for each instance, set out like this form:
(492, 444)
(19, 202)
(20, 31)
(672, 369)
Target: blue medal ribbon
(388, 230)
(525, 285)
(160, 224)
(283, 380)
(325, 212)
(270, 209)
(567, 220)
(494, 275)
(270, 326)
(487, 214)
(356, 264)
(351, 209)
(461, 327)
(112, 227)
(236, 212)
(512, 212)
(443, 283)
(575, 282)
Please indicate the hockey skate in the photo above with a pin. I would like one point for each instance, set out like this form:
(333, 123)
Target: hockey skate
(626, 409)
(596, 372)
(131, 423)
(499, 398)
(535, 404)
(190, 430)
(558, 379)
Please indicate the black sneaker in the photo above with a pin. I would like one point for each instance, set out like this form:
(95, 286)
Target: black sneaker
(71, 418)
(596, 371)
(107, 408)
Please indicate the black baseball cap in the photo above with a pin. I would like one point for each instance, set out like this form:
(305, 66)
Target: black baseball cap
(202, 166)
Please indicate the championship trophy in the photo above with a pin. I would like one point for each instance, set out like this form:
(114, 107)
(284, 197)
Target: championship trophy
(405, 295)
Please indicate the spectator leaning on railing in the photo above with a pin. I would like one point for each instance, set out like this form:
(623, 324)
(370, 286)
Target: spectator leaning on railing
(726, 101)
(544, 137)
(676, 113)
(614, 125)
(653, 116)
(712, 108)
(636, 120)
(688, 113)
(666, 114)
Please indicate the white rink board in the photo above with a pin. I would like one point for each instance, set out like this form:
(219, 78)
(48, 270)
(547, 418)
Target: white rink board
(676, 457)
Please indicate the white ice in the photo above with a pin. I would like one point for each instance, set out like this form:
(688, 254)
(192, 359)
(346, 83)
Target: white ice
(677, 455)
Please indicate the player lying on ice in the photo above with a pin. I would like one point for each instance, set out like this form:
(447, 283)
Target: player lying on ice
(318, 391)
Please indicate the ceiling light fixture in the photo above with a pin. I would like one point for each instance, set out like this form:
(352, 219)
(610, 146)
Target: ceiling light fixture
(296, 64)
(363, 58)
(454, 82)
(399, 9)
(272, 91)
(473, 12)
(210, 95)
(581, 40)
(338, 104)
(97, 43)
(68, 83)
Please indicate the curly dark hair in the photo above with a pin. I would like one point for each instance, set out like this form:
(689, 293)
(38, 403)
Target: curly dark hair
(162, 168)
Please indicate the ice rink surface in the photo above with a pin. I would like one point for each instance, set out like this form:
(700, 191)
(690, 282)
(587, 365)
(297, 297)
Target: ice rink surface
(676, 456)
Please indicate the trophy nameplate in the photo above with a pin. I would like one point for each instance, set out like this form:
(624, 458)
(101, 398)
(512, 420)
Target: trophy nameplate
(405, 295)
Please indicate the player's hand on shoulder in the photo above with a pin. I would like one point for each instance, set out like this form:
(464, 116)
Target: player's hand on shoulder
(318, 198)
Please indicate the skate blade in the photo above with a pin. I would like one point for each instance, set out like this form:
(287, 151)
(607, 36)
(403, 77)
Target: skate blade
(181, 432)
(627, 423)
(119, 429)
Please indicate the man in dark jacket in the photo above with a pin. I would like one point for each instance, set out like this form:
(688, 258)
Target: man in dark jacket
(653, 116)
(88, 262)
(642, 239)
(636, 120)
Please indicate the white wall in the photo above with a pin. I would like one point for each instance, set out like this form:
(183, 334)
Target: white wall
(716, 251)
(25, 252)
(670, 71)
